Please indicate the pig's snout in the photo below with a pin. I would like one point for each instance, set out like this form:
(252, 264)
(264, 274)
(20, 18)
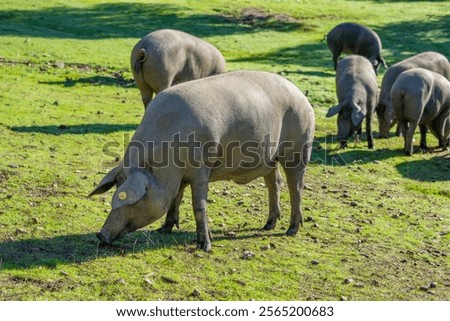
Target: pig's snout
(104, 239)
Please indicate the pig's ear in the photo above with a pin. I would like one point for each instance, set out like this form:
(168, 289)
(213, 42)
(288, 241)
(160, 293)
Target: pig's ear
(334, 110)
(132, 190)
(107, 182)
(357, 115)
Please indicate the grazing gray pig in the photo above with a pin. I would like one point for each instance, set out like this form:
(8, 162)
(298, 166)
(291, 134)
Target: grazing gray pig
(167, 57)
(357, 92)
(234, 126)
(428, 60)
(422, 97)
(353, 38)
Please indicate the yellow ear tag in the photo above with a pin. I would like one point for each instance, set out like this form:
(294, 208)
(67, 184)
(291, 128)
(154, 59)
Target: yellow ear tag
(122, 196)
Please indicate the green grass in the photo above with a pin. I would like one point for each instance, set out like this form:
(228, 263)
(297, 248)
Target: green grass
(377, 217)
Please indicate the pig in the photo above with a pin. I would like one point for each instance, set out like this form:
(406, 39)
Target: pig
(234, 126)
(353, 38)
(357, 93)
(422, 97)
(167, 57)
(428, 60)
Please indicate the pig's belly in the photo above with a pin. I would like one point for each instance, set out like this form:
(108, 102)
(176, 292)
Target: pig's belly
(241, 175)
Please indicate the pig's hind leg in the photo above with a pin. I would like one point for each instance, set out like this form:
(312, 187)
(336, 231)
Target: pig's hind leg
(273, 182)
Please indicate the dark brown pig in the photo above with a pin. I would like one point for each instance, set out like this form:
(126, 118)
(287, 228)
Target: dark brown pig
(353, 38)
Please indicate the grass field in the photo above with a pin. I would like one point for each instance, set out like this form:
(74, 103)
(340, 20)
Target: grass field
(377, 222)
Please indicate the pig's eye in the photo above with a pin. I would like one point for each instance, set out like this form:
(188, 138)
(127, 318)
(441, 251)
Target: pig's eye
(120, 181)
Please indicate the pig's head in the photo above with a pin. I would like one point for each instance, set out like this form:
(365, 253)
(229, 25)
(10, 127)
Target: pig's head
(376, 65)
(377, 62)
(136, 203)
(349, 119)
(386, 117)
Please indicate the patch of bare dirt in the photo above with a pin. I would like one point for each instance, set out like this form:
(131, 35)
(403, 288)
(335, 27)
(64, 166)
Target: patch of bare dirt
(49, 285)
(257, 17)
(52, 190)
(46, 192)
(5, 175)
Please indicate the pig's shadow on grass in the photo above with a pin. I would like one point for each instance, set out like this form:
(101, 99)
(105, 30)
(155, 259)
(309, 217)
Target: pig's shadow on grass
(436, 169)
(96, 128)
(79, 248)
(314, 55)
(355, 153)
(431, 170)
(95, 80)
(125, 20)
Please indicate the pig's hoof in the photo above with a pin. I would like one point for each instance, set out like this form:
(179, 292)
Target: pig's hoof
(205, 246)
(343, 144)
(269, 225)
(292, 231)
(168, 225)
(166, 228)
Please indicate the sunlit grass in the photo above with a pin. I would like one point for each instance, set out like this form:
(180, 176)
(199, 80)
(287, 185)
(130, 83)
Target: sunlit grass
(374, 216)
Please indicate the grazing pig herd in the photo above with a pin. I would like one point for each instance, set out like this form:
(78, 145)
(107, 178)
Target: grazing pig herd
(432, 61)
(215, 125)
(419, 99)
(422, 97)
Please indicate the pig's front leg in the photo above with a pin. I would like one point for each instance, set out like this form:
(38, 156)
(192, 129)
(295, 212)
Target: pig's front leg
(173, 215)
(199, 186)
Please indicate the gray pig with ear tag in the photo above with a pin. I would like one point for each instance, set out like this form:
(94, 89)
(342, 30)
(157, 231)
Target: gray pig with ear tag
(357, 92)
(235, 126)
